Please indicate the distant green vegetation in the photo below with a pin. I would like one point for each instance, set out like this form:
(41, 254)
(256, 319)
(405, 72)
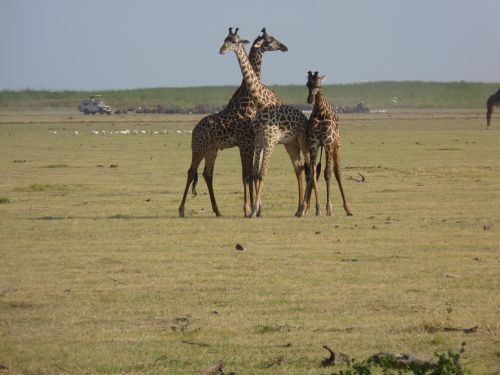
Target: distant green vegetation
(386, 94)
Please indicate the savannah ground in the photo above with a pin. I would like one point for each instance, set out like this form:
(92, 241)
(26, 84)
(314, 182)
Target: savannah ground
(98, 274)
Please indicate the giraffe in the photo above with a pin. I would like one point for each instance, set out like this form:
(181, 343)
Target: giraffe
(324, 130)
(274, 123)
(227, 129)
(493, 101)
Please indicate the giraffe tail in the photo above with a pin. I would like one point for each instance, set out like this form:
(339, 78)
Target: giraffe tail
(195, 181)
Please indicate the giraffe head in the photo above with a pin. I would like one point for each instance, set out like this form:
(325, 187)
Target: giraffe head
(313, 84)
(233, 42)
(266, 43)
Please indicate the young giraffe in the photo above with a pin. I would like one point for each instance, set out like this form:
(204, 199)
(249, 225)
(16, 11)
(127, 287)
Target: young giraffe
(493, 101)
(324, 130)
(274, 123)
(227, 129)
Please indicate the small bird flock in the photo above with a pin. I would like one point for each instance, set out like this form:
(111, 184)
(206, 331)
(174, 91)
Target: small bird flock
(121, 132)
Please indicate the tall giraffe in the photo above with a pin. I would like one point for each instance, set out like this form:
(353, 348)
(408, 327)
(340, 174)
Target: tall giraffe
(324, 130)
(493, 101)
(227, 129)
(274, 123)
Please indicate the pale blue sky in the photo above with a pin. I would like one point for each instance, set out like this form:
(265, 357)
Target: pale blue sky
(117, 44)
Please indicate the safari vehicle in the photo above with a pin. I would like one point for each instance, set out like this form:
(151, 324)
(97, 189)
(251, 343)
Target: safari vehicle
(94, 105)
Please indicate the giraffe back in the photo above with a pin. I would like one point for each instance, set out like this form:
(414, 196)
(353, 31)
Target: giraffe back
(280, 124)
(221, 130)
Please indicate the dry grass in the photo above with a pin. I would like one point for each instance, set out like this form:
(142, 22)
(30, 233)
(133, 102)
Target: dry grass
(99, 275)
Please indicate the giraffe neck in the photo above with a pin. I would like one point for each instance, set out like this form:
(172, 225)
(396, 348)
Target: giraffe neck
(255, 58)
(262, 96)
(321, 105)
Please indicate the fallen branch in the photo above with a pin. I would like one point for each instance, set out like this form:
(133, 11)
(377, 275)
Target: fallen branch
(464, 330)
(357, 179)
(114, 280)
(279, 360)
(160, 358)
(216, 368)
(329, 361)
(195, 343)
(332, 360)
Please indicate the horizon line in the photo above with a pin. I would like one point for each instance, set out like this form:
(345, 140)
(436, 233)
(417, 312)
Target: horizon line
(234, 85)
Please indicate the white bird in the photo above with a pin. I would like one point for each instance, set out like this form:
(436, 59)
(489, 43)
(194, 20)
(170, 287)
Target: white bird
(179, 132)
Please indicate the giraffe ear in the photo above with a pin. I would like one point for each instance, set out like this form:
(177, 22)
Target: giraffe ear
(322, 78)
(244, 41)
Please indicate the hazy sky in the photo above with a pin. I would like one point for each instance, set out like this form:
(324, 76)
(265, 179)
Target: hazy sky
(117, 44)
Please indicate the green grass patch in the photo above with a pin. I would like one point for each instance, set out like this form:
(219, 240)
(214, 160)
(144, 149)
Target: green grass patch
(379, 95)
(4, 200)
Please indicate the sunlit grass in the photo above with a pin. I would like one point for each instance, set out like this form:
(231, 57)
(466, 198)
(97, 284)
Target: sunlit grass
(99, 275)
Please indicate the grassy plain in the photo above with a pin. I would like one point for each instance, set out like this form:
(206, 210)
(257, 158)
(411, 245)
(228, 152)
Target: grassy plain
(99, 275)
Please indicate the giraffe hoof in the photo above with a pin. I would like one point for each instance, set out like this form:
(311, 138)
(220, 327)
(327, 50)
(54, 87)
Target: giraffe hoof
(254, 215)
(181, 213)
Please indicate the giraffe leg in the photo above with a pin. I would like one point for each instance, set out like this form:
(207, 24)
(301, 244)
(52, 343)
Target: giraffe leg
(208, 174)
(311, 165)
(336, 170)
(328, 175)
(316, 192)
(255, 179)
(266, 156)
(192, 175)
(293, 150)
(489, 112)
(246, 168)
